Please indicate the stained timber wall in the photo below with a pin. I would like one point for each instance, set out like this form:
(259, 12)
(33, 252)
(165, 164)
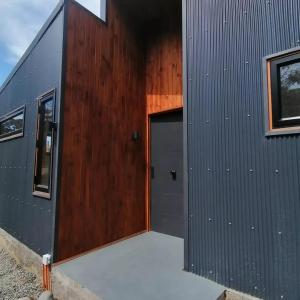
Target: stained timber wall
(164, 62)
(103, 170)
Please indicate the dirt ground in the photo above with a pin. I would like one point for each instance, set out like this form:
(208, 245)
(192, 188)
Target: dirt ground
(15, 282)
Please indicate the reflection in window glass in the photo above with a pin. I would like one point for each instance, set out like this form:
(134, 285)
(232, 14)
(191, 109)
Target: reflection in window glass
(12, 126)
(290, 91)
(44, 146)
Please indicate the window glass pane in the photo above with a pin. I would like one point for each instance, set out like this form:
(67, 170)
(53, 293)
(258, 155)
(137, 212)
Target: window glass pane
(45, 145)
(290, 90)
(12, 126)
(97, 7)
(103, 9)
(93, 6)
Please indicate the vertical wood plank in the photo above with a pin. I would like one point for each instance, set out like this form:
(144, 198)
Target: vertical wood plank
(103, 170)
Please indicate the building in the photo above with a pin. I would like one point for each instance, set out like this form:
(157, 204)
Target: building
(178, 117)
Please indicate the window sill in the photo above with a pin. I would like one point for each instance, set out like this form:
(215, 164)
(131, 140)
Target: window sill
(12, 137)
(283, 131)
(42, 195)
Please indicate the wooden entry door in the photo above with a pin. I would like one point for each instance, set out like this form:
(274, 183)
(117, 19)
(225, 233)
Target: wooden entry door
(167, 174)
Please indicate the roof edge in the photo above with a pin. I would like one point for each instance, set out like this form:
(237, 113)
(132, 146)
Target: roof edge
(33, 44)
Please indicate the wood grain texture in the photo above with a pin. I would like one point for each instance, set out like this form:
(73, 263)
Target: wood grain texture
(164, 91)
(164, 66)
(103, 171)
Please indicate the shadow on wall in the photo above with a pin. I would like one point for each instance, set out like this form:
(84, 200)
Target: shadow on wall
(164, 67)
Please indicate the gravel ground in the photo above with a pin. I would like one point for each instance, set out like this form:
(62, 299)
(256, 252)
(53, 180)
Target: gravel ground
(15, 282)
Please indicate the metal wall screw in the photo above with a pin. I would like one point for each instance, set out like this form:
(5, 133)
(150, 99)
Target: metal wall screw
(279, 232)
(209, 219)
(252, 228)
(276, 171)
(228, 170)
(251, 170)
(229, 223)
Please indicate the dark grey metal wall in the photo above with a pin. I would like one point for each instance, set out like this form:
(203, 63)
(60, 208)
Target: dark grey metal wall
(244, 192)
(30, 219)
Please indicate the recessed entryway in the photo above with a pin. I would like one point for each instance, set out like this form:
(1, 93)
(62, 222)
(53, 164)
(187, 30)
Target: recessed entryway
(166, 205)
(145, 267)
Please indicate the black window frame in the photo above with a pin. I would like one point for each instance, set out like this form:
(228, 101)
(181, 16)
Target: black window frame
(16, 134)
(278, 121)
(38, 189)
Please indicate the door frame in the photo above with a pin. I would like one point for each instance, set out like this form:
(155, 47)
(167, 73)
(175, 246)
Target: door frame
(148, 161)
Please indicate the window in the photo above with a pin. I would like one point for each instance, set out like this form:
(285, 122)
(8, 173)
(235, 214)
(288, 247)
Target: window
(103, 10)
(283, 81)
(44, 145)
(12, 125)
(97, 7)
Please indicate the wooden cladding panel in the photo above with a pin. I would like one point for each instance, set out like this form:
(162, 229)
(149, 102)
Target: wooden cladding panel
(102, 197)
(163, 78)
(164, 67)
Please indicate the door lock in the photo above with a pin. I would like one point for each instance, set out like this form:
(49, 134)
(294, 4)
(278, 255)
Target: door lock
(152, 172)
(173, 174)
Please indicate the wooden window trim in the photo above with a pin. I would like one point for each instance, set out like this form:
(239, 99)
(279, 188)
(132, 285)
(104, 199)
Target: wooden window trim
(39, 190)
(272, 127)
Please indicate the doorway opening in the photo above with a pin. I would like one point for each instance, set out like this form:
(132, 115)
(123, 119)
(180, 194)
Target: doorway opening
(158, 25)
(132, 70)
(166, 184)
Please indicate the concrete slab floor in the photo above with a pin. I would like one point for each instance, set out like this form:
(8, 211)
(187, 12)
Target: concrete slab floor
(148, 266)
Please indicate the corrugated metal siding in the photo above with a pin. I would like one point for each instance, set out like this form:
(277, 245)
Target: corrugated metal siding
(28, 218)
(244, 202)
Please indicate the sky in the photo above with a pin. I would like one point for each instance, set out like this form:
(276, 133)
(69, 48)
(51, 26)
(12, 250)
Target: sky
(20, 21)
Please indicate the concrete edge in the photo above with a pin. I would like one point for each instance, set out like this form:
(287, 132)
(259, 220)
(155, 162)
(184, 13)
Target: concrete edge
(236, 295)
(24, 256)
(63, 287)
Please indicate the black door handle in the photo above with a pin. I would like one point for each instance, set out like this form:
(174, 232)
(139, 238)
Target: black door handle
(152, 172)
(173, 173)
